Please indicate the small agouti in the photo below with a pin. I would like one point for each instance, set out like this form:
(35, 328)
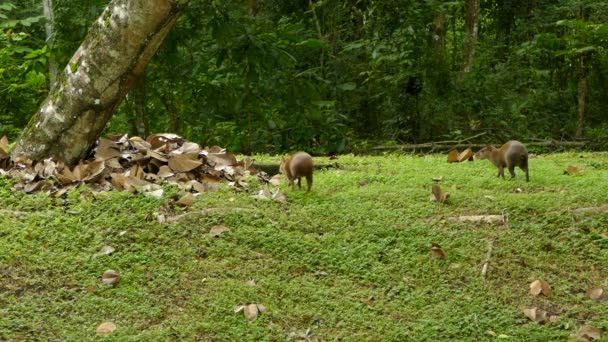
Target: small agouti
(511, 154)
(297, 166)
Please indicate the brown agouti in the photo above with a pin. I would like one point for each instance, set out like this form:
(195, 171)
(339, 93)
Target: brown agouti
(297, 166)
(511, 154)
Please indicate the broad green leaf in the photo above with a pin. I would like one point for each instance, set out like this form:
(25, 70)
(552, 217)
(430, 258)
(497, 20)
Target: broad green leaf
(314, 43)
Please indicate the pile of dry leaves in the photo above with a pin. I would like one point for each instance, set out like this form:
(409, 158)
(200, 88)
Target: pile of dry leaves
(136, 165)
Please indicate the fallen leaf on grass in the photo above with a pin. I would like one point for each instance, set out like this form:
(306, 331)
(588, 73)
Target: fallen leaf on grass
(275, 180)
(110, 277)
(453, 156)
(368, 301)
(465, 155)
(279, 196)
(538, 287)
(186, 200)
(105, 328)
(250, 311)
(595, 293)
(218, 230)
(536, 314)
(572, 170)
(437, 252)
(105, 250)
(587, 333)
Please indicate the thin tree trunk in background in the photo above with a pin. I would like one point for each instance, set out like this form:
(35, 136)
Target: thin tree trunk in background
(472, 27)
(113, 55)
(141, 110)
(49, 27)
(582, 95)
(439, 32)
(454, 41)
(583, 70)
(136, 110)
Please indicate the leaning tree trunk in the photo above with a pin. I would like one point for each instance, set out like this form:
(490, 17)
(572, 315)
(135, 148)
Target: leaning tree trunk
(113, 55)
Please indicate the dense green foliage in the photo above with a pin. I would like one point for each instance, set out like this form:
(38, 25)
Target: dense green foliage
(331, 75)
(348, 261)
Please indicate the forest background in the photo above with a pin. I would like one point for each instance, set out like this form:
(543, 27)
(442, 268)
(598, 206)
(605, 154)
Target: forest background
(334, 76)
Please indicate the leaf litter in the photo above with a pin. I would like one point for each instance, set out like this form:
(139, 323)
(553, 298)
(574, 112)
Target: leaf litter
(133, 164)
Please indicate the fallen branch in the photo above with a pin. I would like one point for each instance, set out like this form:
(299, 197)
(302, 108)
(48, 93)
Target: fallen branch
(480, 218)
(204, 212)
(600, 209)
(449, 145)
(484, 268)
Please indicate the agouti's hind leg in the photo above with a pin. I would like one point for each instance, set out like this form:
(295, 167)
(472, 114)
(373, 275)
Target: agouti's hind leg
(512, 171)
(501, 172)
(299, 183)
(309, 182)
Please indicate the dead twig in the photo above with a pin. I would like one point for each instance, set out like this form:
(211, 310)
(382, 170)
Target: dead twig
(205, 211)
(484, 268)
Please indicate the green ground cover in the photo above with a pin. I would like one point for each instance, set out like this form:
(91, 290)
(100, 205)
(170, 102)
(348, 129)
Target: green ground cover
(344, 262)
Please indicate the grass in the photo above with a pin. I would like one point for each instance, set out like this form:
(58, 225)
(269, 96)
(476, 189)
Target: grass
(344, 262)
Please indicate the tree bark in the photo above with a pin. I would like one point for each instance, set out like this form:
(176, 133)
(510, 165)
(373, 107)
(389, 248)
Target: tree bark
(472, 26)
(582, 95)
(113, 55)
(49, 27)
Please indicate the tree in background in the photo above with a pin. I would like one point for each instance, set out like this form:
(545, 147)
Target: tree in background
(324, 76)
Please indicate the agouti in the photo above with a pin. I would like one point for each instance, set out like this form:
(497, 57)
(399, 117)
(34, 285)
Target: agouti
(297, 166)
(511, 154)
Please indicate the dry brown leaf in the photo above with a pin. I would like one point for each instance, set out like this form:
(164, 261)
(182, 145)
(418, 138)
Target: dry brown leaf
(536, 314)
(46, 168)
(538, 287)
(38, 186)
(275, 180)
(105, 328)
(163, 139)
(368, 301)
(183, 163)
(110, 277)
(186, 200)
(218, 230)
(453, 156)
(251, 312)
(465, 155)
(588, 333)
(572, 170)
(105, 250)
(4, 142)
(220, 160)
(595, 293)
(437, 252)
(279, 196)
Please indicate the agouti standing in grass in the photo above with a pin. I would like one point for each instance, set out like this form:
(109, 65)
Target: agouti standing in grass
(297, 166)
(511, 154)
